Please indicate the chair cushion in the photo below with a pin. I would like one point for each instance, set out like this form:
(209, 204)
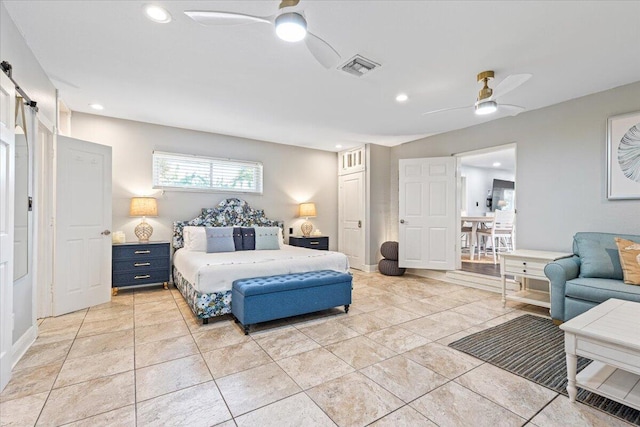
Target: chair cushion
(629, 252)
(599, 290)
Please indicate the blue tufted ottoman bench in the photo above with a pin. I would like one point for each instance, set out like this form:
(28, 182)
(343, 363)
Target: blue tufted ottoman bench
(260, 299)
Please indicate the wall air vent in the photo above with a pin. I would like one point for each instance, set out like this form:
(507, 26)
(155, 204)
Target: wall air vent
(359, 66)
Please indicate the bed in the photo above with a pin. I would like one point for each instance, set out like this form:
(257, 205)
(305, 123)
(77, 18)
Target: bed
(205, 279)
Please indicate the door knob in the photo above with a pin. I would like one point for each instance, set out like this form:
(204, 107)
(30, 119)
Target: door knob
(402, 221)
(106, 232)
(359, 224)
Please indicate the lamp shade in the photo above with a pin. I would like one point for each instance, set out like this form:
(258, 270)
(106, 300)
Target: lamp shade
(307, 210)
(143, 206)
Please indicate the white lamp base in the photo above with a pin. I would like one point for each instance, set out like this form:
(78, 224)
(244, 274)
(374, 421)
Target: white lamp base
(143, 231)
(306, 228)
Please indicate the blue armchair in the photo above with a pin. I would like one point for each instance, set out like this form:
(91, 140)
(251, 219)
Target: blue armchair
(591, 276)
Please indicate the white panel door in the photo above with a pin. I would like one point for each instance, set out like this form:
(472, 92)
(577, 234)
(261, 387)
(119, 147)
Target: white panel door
(7, 159)
(82, 262)
(427, 212)
(351, 218)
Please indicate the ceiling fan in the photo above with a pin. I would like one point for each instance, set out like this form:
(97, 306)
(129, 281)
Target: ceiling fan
(290, 25)
(486, 103)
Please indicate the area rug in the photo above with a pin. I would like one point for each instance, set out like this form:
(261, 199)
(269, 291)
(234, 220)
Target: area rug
(533, 347)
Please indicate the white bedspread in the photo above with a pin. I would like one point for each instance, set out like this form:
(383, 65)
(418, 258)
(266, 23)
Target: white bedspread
(216, 272)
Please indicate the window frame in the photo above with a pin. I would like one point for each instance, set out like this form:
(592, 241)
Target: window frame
(258, 168)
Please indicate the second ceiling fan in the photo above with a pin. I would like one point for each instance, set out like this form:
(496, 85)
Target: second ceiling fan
(290, 25)
(487, 97)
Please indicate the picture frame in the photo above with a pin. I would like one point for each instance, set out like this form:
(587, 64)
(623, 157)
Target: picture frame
(623, 156)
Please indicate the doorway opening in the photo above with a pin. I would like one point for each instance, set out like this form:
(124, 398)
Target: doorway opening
(487, 184)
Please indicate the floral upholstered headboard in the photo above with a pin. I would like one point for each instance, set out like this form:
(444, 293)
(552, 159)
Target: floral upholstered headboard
(228, 213)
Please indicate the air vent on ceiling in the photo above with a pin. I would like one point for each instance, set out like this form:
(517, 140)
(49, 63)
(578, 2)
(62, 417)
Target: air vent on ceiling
(359, 66)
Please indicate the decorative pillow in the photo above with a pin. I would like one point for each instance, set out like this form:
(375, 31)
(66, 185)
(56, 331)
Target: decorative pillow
(195, 239)
(267, 238)
(598, 258)
(248, 239)
(630, 260)
(237, 238)
(220, 239)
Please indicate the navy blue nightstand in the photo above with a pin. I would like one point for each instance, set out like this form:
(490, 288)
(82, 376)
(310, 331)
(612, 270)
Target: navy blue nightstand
(140, 264)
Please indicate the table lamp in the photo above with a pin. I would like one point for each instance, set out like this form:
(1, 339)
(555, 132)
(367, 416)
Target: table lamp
(307, 210)
(144, 207)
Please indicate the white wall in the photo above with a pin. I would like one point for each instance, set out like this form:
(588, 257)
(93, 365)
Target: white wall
(560, 167)
(479, 181)
(34, 81)
(291, 174)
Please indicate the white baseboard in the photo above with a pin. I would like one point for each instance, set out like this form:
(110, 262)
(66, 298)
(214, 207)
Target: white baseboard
(372, 268)
(464, 278)
(22, 345)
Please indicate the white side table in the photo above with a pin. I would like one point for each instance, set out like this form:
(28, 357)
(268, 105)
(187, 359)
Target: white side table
(528, 265)
(608, 334)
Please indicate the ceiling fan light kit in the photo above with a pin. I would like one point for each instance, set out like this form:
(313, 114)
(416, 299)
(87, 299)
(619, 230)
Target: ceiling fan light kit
(486, 107)
(291, 27)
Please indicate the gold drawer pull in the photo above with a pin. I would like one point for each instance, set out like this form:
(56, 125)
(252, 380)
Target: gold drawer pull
(141, 264)
(142, 252)
(146, 276)
(314, 243)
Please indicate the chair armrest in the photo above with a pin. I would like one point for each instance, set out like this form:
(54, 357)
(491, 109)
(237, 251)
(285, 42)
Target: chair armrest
(558, 272)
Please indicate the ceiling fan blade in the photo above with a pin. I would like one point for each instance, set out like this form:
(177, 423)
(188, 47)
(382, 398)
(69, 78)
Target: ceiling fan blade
(512, 110)
(322, 51)
(208, 17)
(509, 83)
(442, 110)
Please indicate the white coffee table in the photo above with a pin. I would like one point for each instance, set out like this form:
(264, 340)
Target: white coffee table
(609, 334)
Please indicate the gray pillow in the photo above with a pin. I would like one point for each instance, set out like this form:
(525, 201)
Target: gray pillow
(220, 239)
(598, 258)
(267, 238)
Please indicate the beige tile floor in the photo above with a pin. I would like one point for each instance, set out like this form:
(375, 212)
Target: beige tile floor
(143, 359)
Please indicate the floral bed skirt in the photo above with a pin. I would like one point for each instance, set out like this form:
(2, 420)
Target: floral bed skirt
(204, 306)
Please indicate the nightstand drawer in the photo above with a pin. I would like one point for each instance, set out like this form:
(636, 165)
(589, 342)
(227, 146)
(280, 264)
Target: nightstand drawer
(141, 264)
(320, 243)
(519, 267)
(139, 251)
(132, 278)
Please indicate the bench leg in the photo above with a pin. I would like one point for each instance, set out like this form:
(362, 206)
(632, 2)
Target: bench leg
(205, 321)
(346, 308)
(246, 329)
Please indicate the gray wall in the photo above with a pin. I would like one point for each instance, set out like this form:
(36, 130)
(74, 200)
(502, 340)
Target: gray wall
(560, 169)
(33, 80)
(291, 174)
(479, 182)
(379, 193)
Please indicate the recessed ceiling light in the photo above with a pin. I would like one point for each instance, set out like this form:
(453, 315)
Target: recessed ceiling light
(96, 106)
(496, 164)
(157, 14)
(402, 97)
(338, 146)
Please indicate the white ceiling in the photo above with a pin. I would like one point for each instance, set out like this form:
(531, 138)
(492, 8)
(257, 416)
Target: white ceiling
(506, 157)
(244, 81)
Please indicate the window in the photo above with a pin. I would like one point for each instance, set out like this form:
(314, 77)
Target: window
(182, 171)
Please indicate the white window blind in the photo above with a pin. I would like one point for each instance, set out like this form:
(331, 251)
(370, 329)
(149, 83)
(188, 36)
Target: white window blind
(183, 171)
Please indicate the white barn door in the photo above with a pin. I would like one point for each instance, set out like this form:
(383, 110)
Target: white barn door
(82, 261)
(351, 192)
(7, 191)
(427, 213)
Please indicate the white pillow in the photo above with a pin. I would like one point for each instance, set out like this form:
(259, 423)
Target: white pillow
(280, 238)
(195, 239)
